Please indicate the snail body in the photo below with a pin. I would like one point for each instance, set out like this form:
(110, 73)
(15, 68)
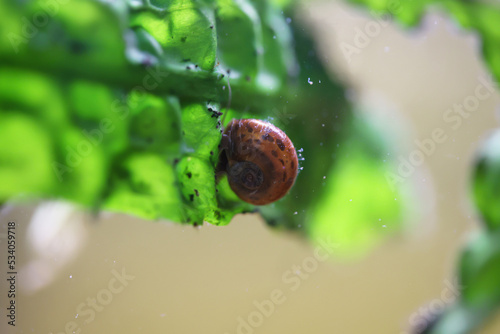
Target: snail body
(259, 159)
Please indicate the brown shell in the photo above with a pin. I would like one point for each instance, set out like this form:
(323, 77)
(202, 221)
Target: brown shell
(261, 143)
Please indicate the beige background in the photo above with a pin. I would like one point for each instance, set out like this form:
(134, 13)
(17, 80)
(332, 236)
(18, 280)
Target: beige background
(200, 280)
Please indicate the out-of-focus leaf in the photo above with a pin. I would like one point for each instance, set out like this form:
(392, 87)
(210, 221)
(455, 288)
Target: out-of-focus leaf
(343, 160)
(146, 186)
(480, 262)
(486, 182)
(480, 270)
(457, 319)
(479, 274)
(25, 162)
(477, 15)
(347, 213)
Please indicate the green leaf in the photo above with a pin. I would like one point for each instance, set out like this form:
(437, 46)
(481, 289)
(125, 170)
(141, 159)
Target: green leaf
(480, 262)
(25, 162)
(349, 214)
(480, 270)
(144, 185)
(477, 15)
(486, 182)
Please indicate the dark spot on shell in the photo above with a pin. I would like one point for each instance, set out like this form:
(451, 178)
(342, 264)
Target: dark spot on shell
(282, 162)
(284, 176)
(280, 144)
(189, 174)
(274, 153)
(191, 197)
(257, 141)
(197, 193)
(249, 141)
(249, 128)
(290, 181)
(244, 147)
(293, 164)
(268, 137)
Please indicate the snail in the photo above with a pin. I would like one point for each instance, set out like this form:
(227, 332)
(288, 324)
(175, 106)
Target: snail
(259, 159)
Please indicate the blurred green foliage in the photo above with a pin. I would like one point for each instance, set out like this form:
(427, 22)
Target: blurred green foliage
(487, 182)
(479, 264)
(117, 106)
(481, 16)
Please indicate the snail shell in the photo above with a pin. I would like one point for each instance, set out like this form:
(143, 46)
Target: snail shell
(259, 159)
